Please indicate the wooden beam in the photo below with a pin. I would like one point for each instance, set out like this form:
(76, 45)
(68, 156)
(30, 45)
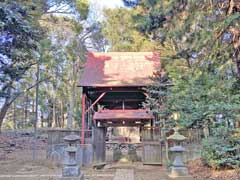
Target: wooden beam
(116, 89)
(95, 102)
(83, 118)
(125, 100)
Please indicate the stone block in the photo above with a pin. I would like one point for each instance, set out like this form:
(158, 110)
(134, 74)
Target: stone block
(71, 171)
(180, 178)
(81, 177)
(179, 173)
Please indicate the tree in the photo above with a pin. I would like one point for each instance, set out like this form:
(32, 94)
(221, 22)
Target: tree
(204, 48)
(18, 50)
(119, 29)
(201, 31)
(203, 68)
(63, 60)
(25, 16)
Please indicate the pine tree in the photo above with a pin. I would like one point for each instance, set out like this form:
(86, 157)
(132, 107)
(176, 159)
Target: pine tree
(203, 68)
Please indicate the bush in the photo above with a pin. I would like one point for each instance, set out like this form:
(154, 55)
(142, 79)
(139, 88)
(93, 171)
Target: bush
(222, 149)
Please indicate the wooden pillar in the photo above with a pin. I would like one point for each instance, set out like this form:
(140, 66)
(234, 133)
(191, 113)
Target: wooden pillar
(88, 113)
(83, 118)
(99, 144)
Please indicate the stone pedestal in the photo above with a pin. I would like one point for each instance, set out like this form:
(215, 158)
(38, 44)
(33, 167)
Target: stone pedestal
(179, 173)
(81, 177)
(71, 171)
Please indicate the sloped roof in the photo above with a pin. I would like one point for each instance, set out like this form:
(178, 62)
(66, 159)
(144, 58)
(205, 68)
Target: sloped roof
(122, 115)
(119, 69)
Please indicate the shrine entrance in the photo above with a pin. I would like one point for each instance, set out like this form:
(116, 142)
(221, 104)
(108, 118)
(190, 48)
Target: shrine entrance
(113, 95)
(123, 146)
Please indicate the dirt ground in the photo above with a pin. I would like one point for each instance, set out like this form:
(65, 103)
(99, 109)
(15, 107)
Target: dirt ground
(16, 168)
(16, 164)
(201, 172)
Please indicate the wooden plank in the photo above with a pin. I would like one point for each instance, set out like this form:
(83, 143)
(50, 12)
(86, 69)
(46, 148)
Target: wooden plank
(99, 144)
(152, 153)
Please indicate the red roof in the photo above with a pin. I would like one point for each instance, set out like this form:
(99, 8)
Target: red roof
(119, 69)
(122, 115)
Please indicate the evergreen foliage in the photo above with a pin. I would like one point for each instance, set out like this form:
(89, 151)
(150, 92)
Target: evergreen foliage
(18, 49)
(19, 40)
(59, 49)
(120, 31)
(199, 42)
(222, 149)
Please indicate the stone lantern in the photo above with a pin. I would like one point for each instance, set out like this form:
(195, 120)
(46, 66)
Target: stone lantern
(178, 170)
(71, 169)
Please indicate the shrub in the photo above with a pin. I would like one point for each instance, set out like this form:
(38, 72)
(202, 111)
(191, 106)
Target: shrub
(222, 149)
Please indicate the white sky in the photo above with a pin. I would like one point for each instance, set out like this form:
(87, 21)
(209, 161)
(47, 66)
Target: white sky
(97, 7)
(108, 3)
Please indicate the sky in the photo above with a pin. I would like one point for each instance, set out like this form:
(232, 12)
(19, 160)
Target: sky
(108, 3)
(97, 7)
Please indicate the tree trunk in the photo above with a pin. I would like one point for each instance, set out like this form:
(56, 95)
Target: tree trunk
(14, 116)
(3, 112)
(238, 62)
(33, 106)
(54, 123)
(63, 118)
(72, 95)
(26, 111)
(41, 119)
(5, 108)
(49, 121)
(70, 114)
(36, 114)
(62, 114)
(10, 99)
(53, 115)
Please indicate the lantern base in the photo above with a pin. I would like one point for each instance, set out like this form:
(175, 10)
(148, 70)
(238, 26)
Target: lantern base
(181, 178)
(81, 177)
(179, 173)
(72, 172)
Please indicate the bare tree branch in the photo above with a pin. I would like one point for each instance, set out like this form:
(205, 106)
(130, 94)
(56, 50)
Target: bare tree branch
(29, 88)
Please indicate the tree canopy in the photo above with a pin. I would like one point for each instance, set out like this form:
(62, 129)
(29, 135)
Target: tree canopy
(27, 38)
(200, 44)
(18, 48)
